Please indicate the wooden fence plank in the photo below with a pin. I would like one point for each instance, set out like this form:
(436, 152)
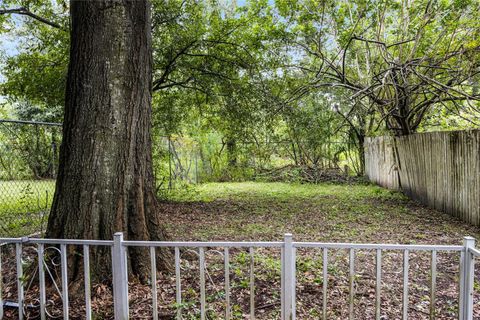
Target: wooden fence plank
(439, 169)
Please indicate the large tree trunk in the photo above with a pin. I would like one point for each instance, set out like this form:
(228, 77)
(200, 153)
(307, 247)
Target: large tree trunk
(105, 181)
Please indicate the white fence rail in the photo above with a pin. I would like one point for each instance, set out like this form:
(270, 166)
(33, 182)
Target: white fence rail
(288, 248)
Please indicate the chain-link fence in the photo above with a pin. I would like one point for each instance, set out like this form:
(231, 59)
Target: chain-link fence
(29, 153)
(28, 168)
(29, 162)
(182, 160)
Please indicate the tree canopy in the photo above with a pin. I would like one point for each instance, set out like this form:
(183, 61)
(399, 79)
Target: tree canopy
(264, 76)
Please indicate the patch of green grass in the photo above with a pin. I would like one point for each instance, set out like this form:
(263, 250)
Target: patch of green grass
(323, 212)
(25, 195)
(279, 191)
(23, 204)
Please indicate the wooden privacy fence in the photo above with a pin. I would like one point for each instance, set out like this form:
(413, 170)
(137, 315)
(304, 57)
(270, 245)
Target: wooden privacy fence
(439, 169)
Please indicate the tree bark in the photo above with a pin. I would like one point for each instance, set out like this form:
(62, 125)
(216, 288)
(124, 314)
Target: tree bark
(231, 152)
(105, 181)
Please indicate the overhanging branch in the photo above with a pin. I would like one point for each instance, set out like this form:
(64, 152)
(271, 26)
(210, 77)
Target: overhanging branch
(24, 11)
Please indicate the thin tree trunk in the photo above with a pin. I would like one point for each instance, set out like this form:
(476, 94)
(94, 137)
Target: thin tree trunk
(231, 152)
(105, 181)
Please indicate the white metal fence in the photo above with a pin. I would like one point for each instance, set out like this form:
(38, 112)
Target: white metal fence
(288, 249)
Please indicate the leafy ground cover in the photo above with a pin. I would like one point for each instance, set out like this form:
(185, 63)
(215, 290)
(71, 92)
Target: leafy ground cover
(330, 213)
(324, 212)
(264, 212)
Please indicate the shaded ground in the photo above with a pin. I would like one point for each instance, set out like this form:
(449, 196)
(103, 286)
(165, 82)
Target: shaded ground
(329, 213)
(332, 213)
(265, 211)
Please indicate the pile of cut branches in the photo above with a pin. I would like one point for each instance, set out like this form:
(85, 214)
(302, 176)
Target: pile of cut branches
(306, 174)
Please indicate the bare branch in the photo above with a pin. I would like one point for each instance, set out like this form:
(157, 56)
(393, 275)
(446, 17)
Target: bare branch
(24, 11)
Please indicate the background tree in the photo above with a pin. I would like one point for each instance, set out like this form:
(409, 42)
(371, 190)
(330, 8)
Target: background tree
(237, 84)
(401, 58)
(35, 76)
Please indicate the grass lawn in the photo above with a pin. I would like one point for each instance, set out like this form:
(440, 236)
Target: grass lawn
(22, 204)
(325, 212)
(328, 213)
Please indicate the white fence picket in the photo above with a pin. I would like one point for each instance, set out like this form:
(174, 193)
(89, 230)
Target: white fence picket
(288, 248)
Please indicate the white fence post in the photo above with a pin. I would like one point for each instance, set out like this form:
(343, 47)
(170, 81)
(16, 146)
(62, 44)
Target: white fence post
(289, 282)
(467, 269)
(120, 278)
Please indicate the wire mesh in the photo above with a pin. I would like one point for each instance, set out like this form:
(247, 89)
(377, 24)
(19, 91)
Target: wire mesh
(29, 154)
(28, 168)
